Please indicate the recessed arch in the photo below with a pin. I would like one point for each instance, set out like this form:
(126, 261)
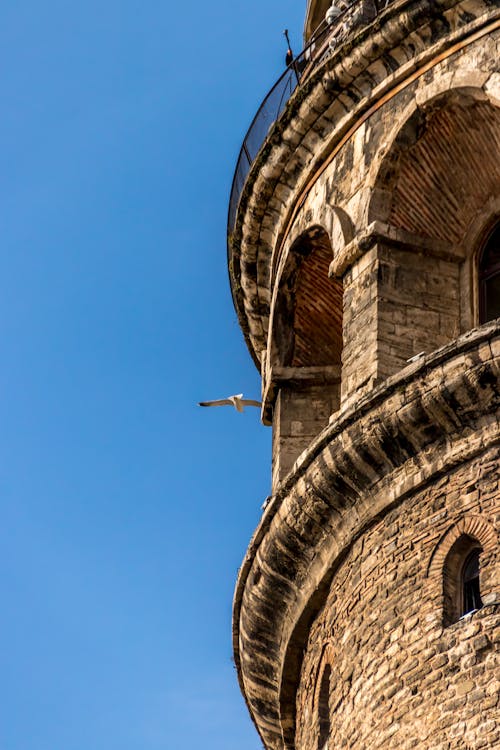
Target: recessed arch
(441, 165)
(438, 182)
(474, 526)
(472, 539)
(306, 325)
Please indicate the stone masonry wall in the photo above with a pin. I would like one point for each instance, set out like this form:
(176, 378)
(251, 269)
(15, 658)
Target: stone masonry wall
(360, 323)
(397, 304)
(419, 306)
(299, 416)
(399, 679)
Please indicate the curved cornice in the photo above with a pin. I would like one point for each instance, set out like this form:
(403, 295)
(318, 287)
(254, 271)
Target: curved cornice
(433, 415)
(373, 65)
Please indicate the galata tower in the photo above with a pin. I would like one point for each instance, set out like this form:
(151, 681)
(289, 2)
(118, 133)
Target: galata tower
(364, 257)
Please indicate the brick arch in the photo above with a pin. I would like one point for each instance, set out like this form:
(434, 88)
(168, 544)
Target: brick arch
(472, 526)
(334, 220)
(306, 325)
(442, 163)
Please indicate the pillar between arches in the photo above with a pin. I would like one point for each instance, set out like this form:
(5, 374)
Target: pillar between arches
(401, 298)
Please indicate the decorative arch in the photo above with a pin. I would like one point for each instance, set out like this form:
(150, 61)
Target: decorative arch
(456, 566)
(474, 526)
(334, 220)
(306, 324)
(442, 162)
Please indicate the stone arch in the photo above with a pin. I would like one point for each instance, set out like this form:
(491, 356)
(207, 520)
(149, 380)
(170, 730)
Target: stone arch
(306, 321)
(335, 221)
(302, 387)
(436, 185)
(441, 164)
(473, 526)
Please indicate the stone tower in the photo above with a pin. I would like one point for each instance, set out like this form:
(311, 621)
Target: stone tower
(364, 256)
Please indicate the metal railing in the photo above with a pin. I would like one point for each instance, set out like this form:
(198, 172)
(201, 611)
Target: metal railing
(353, 15)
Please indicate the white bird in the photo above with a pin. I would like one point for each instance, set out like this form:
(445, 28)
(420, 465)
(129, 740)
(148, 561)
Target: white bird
(237, 401)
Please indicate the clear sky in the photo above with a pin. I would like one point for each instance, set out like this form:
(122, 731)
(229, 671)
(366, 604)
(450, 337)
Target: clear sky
(125, 508)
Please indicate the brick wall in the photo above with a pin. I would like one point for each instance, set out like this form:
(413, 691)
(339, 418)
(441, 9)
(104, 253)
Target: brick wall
(399, 679)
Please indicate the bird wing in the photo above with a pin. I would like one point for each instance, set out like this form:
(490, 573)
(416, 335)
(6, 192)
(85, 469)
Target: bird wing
(251, 402)
(219, 402)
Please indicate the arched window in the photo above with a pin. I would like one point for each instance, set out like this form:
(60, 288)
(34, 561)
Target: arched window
(324, 708)
(489, 277)
(471, 595)
(461, 579)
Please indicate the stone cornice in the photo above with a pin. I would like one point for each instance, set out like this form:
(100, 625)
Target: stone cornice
(326, 109)
(379, 231)
(293, 376)
(435, 414)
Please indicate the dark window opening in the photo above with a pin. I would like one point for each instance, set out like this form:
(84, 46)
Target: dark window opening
(489, 278)
(461, 579)
(470, 580)
(324, 707)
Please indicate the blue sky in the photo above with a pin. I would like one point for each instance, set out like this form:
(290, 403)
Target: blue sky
(125, 509)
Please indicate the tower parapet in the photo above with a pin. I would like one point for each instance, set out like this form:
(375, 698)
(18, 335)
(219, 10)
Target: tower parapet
(364, 256)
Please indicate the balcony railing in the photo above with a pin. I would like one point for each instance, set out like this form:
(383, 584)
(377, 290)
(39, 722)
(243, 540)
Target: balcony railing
(326, 38)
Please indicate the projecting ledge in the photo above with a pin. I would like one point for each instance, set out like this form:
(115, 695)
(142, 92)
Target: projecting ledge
(379, 231)
(293, 377)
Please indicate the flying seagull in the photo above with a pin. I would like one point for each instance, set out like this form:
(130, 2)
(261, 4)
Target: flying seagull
(237, 401)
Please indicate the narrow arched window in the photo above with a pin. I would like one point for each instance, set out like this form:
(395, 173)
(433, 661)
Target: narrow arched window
(471, 594)
(461, 579)
(324, 708)
(489, 277)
